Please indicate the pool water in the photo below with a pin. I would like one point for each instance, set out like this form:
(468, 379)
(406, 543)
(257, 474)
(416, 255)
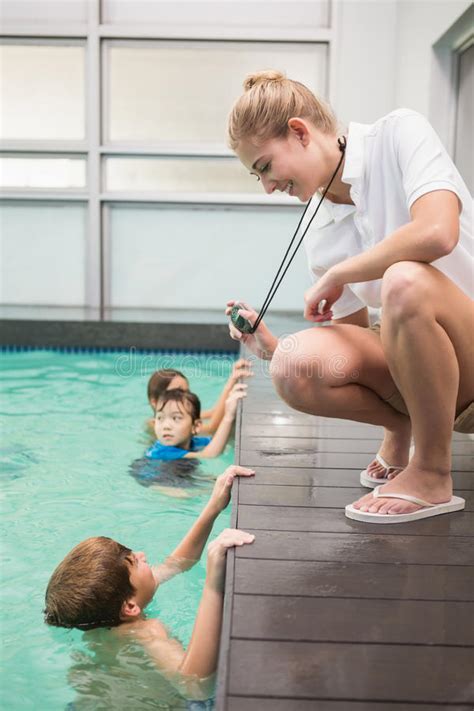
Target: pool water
(72, 424)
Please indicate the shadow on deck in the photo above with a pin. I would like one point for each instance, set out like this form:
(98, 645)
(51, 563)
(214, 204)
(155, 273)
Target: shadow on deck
(327, 614)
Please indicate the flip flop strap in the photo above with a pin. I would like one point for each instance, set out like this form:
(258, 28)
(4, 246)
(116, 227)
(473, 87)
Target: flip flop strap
(406, 497)
(387, 466)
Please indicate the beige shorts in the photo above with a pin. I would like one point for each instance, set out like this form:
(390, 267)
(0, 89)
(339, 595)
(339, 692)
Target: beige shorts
(463, 422)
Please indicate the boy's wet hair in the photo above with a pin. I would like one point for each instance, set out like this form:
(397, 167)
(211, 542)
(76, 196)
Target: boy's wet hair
(160, 380)
(187, 399)
(88, 588)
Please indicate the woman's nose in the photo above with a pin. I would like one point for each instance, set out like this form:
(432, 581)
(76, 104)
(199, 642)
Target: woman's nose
(140, 555)
(268, 185)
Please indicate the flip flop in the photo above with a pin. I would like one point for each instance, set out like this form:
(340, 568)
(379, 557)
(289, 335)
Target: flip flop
(428, 510)
(370, 481)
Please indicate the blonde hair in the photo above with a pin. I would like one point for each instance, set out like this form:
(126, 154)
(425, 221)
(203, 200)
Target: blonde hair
(268, 103)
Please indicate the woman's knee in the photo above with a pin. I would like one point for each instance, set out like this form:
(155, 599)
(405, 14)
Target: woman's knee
(404, 291)
(305, 364)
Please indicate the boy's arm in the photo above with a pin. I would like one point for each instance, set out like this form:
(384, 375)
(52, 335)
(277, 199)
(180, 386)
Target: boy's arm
(241, 369)
(189, 551)
(219, 441)
(201, 656)
(191, 671)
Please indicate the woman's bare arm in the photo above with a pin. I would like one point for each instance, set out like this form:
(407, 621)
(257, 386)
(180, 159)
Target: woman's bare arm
(432, 233)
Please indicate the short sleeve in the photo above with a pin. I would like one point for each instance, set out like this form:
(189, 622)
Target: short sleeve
(424, 163)
(347, 304)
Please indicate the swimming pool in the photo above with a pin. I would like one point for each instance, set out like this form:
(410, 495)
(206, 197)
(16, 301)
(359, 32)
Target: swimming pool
(72, 423)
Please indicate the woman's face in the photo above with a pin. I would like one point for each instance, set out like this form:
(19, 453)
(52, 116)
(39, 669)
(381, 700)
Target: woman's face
(294, 164)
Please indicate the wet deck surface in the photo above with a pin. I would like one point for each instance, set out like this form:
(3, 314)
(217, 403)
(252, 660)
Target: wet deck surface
(323, 613)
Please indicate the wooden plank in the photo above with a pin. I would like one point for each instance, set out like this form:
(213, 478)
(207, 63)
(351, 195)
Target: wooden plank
(352, 671)
(365, 548)
(297, 445)
(354, 579)
(296, 431)
(322, 443)
(243, 703)
(293, 417)
(363, 621)
(314, 496)
(297, 518)
(338, 460)
(286, 476)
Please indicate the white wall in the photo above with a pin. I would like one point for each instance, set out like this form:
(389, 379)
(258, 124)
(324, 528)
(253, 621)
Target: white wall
(365, 46)
(420, 25)
(384, 54)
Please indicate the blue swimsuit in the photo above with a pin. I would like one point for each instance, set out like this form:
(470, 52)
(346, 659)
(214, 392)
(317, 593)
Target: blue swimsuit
(166, 452)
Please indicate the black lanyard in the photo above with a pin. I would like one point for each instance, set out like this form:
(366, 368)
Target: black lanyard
(279, 276)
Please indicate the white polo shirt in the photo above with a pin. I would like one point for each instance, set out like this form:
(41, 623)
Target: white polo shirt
(388, 165)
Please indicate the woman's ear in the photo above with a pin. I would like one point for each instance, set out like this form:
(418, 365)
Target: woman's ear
(300, 130)
(129, 610)
(153, 402)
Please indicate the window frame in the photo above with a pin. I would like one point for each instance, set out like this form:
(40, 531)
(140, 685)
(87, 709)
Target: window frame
(94, 35)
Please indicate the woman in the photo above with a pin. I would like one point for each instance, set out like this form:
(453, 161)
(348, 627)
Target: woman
(394, 232)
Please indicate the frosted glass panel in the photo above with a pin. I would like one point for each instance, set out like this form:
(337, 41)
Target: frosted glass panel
(44, 173)
(216, 175)
(214, 15)
(42, 251)
(44, 11)
(167, 257)
(183, 92)
(42, 92)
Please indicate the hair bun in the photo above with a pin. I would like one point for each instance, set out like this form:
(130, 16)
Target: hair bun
(270, 75)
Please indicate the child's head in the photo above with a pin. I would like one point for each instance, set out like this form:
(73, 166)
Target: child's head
(162, 380)
(100, 583)
(284, 135)
(177, 418)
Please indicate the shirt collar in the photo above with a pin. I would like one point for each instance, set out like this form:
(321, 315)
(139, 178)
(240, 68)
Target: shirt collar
(354, 162)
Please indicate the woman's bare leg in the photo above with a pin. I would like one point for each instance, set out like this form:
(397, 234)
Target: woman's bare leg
(341, 371)
(427, 336)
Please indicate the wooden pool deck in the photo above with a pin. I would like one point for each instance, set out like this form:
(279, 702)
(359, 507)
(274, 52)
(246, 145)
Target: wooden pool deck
(327, 614)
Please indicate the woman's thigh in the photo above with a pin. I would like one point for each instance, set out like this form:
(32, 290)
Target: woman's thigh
(413, 288)
(309, 362)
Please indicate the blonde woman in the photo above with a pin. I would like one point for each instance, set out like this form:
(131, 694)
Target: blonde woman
(394, 232)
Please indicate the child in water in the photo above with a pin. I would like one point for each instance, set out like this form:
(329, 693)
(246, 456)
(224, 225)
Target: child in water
(103, 584)
(171, 379)
(178, 422)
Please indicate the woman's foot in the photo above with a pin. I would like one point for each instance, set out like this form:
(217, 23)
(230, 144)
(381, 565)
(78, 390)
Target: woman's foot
(394, 451)
(427, 484)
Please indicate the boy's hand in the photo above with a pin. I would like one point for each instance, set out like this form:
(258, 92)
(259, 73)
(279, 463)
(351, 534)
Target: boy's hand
(262, 343)
(220, 496)
(216, 554)
(242, 369)
(237, 393)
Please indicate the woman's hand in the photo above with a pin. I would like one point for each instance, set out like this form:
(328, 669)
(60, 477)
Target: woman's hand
(220, 496)
(262, 343)
(216, 554)
(320, 297)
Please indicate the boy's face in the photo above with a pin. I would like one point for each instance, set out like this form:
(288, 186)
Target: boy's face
(142, 579)
(174, 425)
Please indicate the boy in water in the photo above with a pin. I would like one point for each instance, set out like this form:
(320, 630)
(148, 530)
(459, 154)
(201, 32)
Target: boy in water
(178, 422)
(101, 583)
(171, 379)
